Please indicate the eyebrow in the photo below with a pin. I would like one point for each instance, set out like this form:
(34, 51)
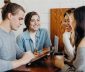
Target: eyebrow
(21, 18)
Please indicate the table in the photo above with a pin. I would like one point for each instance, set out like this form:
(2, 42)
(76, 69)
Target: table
(46, 67)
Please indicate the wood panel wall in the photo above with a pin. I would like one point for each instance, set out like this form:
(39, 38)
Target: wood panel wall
(56, 28)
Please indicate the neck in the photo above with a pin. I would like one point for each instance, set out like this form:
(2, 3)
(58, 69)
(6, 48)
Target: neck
(32, 31)
(5, 25)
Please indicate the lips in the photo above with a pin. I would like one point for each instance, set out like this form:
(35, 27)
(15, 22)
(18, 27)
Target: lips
(36, 26)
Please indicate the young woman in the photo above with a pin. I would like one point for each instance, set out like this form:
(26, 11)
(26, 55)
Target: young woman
(10, 55)
(33, 38)
(79, 31)
(79, 28)
(67, 35)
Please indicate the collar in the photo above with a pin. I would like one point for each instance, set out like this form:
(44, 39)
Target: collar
(27, 34)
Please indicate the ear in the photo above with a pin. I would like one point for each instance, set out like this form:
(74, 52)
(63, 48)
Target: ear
(10, 16)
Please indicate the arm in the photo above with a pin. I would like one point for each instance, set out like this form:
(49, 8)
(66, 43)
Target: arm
(68, 45)
(19, 41)
(27, 57)
(5, 65)
(8, 65)
(19, 52)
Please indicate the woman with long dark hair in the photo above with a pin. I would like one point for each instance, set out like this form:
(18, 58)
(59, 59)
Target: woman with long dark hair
(79, 15)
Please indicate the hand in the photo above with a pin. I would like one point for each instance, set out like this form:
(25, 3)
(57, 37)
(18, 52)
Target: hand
(72, 37)
(27, 57)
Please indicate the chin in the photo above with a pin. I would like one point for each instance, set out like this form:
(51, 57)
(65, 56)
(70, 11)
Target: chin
(15, 29)
(36, 30)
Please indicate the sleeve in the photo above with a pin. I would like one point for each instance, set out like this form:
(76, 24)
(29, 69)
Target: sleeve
(19, 53)
(68, 47)
(47, 42)
(79, 63)
(4, 64)
(20, 42)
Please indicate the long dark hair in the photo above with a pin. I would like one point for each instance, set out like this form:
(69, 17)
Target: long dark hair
(28, 19)
(79, 15)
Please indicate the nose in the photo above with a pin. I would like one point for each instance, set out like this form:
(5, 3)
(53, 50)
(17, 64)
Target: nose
(20, 23)
(36, 22)
(63, 22)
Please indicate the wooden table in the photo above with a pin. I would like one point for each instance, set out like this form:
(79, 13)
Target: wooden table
(46, 67)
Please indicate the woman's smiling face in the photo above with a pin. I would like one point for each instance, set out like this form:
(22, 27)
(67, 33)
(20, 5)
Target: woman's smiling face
(34, 23)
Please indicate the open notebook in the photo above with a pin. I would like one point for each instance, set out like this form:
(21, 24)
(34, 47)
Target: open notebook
(44, 53)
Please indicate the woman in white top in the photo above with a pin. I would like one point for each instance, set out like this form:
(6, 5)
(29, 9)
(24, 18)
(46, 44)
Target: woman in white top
(68, 34)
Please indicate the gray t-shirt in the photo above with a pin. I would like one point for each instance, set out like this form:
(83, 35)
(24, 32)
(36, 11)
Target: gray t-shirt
(9, 50)
(79, 63)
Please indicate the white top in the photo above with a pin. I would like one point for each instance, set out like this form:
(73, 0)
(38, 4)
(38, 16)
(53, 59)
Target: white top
(32, 35)
(69, 49)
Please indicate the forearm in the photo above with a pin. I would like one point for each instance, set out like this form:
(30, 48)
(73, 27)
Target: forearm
(17, 63)
(27, 57)
(68, 46)
(8, 65)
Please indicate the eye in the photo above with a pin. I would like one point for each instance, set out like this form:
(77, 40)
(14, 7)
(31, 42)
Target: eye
(65, 20)
(38, 19)
(32, 20)
(20, 18)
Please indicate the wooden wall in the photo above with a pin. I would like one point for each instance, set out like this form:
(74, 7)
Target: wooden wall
(56, 17)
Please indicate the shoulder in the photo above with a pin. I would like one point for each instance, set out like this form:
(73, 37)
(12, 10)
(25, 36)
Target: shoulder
(24, 34)
(82, 43)
(42, 30)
